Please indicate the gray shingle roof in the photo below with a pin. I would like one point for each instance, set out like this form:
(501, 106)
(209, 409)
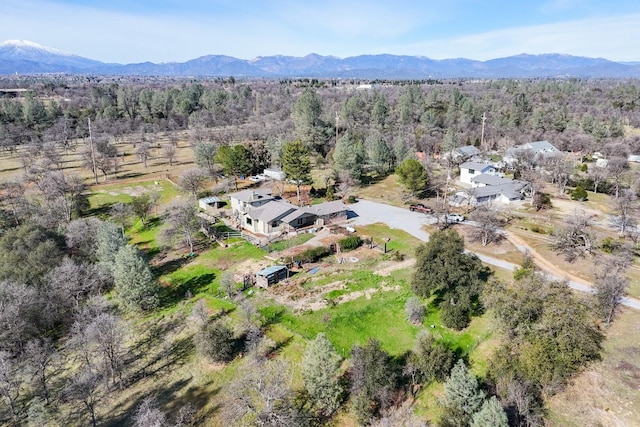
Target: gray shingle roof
(476, 166)
(327, 208)
(249, 196)
(271, 211)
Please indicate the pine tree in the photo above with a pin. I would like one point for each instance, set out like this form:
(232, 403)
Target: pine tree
(490, 415)
(296, 163)
(462, 396)
(321, 373)
(109, 241)
(134, 283)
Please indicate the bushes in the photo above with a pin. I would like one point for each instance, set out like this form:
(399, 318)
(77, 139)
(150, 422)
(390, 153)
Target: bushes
(312, 255)
(579, 194)
(350, 243)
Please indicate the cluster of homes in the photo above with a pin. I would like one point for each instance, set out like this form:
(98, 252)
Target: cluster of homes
(484, 183)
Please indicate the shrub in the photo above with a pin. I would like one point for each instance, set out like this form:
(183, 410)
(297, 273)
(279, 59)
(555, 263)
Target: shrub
(414, 310)
(312, 254)
(350, 243)
(352, 199)
(579, 194)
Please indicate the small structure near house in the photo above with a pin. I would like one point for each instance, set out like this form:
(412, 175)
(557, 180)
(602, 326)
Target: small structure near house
(207, 203)
(276, 174)
(271, 275)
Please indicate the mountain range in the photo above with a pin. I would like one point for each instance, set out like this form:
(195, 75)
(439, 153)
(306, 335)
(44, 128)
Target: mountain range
(24, 57)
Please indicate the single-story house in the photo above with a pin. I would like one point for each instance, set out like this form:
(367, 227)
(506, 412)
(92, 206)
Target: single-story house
(469, 170)
(502, 193)
(486, 179)
(208, 203)
(463, 153)
(271, 275)
(328, 212)
(540, 149)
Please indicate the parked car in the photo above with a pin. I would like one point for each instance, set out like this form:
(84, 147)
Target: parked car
(257, 178)
(454, 218)
(419, 207)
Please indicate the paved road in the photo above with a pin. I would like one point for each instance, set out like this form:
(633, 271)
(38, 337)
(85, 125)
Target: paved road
(369, 212)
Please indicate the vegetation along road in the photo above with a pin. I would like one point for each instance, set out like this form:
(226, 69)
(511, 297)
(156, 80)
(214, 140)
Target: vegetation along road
(370, 212)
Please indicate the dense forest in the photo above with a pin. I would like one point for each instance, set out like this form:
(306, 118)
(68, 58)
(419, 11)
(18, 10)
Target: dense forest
(80, 301)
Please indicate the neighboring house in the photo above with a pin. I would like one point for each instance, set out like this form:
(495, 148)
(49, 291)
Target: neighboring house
(502, 193)
(463, 153)
(540, 149)
(602, 163)
(487, 179)
(260, 213)
(633, 158)
(271, 275)
(487, 188)
(469, 170)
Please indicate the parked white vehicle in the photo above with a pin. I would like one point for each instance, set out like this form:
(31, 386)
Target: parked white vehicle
(454, 218)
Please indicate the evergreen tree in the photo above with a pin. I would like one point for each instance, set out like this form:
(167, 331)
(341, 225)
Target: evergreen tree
(134, 283)
(296, 163)
(349, 156)
(490, 414)
(321, 373)
(412, 175)
(462, 396)
(109, 240)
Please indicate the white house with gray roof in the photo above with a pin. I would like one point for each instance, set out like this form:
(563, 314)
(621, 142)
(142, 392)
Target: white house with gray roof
(469, 170)
(539, 149)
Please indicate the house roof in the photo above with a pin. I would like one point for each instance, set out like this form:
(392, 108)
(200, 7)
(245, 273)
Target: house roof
(274, 209)
(298, 213)
(468, 150)
(327, 208)
(271, 270)
(209, 200)
(490, 179)
(540, 146)
(251, 195)
(477, 166)
(510, 190)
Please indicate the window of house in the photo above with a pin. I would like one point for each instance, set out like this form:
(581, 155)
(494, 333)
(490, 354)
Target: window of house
(300, 221)
(249, 222)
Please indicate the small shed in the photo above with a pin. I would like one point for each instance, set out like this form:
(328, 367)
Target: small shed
(271, 275)
(207, 203)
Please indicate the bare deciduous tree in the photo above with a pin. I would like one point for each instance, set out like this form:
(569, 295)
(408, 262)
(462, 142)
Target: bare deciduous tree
(84, 388)
(192, 181)
(575, 238)
(487, 226)
(611, 285)
(169, 151)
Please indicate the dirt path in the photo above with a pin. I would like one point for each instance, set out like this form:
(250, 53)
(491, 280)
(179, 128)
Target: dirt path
(397, 266)
(542, 262)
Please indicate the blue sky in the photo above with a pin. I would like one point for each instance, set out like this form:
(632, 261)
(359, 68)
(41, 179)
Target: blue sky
(126, 31)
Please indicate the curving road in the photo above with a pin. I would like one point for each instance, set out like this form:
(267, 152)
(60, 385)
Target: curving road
(367, 212)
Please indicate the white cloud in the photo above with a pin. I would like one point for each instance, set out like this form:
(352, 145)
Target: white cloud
(613, 38)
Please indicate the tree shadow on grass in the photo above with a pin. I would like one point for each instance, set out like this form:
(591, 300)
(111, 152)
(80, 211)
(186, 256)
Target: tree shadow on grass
(175, 293)
(169, 266)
